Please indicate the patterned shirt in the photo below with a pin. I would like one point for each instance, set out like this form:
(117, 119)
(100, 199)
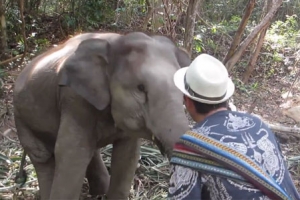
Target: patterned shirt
(246, 134)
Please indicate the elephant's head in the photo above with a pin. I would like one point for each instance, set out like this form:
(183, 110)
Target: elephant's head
(134, 75)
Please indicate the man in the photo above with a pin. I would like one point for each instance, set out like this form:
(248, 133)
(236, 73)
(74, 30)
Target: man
(194, 175)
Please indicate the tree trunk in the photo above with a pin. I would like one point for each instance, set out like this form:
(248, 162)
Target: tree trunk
(3, 27)
(260, 41)
(149, 9)
(237, 38)
(21, 8)
(37, 4)
(263, 24)
(190, 24)
(254, 56)
(27, 6)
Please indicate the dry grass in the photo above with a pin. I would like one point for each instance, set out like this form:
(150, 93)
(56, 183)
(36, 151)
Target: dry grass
(150, 181)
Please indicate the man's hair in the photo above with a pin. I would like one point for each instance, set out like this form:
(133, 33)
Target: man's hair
(203, 108)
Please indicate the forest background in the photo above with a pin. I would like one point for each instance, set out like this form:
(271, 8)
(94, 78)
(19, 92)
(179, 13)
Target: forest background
(258, 41)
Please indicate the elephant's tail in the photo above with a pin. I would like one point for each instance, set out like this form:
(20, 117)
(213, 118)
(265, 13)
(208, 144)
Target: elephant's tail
(21, 176)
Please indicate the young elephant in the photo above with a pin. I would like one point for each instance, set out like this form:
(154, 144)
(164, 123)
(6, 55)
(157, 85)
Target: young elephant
(93, 90)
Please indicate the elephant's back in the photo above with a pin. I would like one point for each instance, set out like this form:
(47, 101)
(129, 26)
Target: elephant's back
(46, 66)
(35, 99)
(36, 91)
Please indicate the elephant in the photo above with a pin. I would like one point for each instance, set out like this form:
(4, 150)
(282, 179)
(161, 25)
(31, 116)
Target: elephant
(93, 90)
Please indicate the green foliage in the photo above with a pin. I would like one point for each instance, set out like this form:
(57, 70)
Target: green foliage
(277, 57)
(198, 44)
(245, 88)
(88, 15)
(212, 45)
(208, 37)
(4, 166)
(95, 12)
(281, 35)
(137, 7)
(284, 33)
(231, 25)
(130, 11)
(41, 44)
(13, 23)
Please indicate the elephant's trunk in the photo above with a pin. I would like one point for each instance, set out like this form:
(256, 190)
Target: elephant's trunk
(169, 126)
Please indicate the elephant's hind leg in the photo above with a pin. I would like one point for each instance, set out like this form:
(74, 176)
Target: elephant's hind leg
(97, 175)
(40, 157)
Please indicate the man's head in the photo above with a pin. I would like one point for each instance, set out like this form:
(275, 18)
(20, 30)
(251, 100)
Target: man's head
(205, 85)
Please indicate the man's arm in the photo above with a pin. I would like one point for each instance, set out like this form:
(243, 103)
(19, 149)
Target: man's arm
(185, 183)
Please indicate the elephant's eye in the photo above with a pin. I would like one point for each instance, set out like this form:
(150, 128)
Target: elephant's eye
(141, 87)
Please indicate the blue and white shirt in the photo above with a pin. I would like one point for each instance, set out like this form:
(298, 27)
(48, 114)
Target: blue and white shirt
(246, 134)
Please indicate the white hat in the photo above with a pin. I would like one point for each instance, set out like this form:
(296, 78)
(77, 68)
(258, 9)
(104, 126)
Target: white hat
(205, 80)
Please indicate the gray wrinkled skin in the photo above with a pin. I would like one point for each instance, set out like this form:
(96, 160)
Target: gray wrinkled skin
(93, 90)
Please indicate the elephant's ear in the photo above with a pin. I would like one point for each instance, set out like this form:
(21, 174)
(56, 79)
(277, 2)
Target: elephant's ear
(84, 71)
(183, 57)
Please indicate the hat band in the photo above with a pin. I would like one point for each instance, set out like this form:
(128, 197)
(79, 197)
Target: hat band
(194, 94)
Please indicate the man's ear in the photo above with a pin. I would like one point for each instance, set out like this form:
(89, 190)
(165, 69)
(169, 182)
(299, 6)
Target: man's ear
(189, 104)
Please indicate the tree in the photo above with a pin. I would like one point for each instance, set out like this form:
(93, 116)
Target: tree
(249, 39)
(21, 8)
(149, 9)
(32, 6)
(240, 31)
(259, 44)
(190, 24)
(3, 27)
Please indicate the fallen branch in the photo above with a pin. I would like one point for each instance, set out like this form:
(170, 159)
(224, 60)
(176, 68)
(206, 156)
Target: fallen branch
(279, 130)
(279, 127)
(6, 133)
(11, 59)
(284, 129)
(282, 132)
(295, 131)
(295, 158)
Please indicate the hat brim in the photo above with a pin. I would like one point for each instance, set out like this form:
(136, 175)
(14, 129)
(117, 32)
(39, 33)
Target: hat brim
(179, 82)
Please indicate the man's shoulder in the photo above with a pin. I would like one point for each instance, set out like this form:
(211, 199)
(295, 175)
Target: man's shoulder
(246, 116)
(228, 115)
(230, 122)
(243, 114)
(239, 115)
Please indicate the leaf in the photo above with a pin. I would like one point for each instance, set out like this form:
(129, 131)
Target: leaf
(4, 158)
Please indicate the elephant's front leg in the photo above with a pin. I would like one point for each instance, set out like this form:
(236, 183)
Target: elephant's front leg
(124, 161)
(74, 149)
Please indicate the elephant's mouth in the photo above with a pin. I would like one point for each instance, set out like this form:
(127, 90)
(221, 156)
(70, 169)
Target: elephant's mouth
(159, 145)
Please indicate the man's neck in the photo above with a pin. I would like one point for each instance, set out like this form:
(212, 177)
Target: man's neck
(200, 117)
